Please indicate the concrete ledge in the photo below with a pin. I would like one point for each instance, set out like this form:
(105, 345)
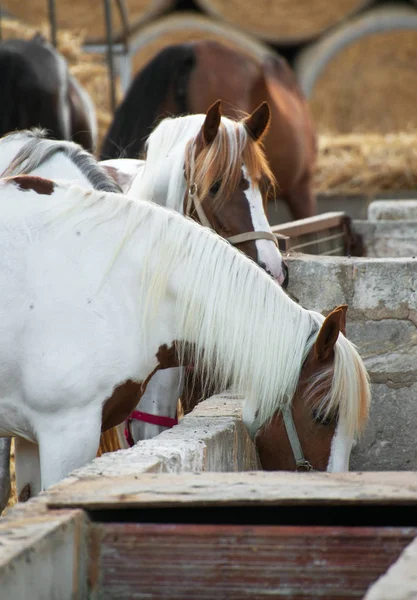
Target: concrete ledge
(211, 438)
(382, 239)
(392, 210)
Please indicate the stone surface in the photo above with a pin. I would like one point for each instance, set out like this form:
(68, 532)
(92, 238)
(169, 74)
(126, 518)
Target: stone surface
(400, 581)
(381, 321)
(211, 438)
(383, 239)
(392, 210)
(389, 442)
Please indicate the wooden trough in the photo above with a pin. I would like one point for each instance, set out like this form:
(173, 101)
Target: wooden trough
(140, 523)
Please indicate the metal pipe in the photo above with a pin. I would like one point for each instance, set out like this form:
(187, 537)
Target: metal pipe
(110, 53)
(52, 21)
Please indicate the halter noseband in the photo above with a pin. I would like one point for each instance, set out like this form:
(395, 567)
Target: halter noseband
(301, 463)
(138, 415)
(193, 199)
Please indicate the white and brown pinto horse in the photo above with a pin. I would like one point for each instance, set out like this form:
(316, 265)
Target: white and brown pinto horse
(214, 170)
(26, 152)
(100, 291)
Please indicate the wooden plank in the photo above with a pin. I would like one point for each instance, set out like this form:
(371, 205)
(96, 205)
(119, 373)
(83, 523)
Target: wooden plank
(311, 224)
(233, 562)
(246, 488)
(42, 553)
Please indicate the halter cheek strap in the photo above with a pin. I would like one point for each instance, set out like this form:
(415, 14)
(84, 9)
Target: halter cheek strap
(301, 463)
(193, 199)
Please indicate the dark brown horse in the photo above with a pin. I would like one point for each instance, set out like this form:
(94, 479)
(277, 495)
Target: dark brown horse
(188, 78)
(37, 90)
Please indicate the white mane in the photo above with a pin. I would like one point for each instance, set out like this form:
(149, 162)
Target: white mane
(243, 329)
(165, 156)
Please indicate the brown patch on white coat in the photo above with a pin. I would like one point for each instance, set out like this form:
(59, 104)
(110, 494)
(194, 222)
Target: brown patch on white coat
(127, 394)
(40, 185)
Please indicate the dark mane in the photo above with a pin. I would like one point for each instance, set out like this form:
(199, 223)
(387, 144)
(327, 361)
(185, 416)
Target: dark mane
(30, 75)
(142, 105)
(39, 149)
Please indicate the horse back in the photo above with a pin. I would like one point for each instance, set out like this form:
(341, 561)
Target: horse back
(293, 158)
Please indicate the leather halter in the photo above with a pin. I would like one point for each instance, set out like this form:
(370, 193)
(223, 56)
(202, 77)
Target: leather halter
(138, 415)
(193, 199)
(301, 463)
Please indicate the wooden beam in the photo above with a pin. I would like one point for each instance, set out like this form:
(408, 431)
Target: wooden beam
(248, 488)
(311, 224)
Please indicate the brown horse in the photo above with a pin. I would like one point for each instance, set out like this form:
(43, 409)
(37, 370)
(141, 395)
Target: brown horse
(188, 78)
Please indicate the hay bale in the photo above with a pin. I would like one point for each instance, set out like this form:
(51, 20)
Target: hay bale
(89, 69)
(185, 27)
(366, 164)
(87, 15)
(362, 76)
(283, 21)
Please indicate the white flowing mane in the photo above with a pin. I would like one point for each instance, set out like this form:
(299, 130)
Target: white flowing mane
(166, 155)
(242, 327)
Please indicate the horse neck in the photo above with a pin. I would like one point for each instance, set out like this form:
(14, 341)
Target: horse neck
(260, 336)
(161, 185)
(163, 180)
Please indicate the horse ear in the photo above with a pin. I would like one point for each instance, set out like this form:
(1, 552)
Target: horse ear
(258, 122)
(329, 332)
(211, 122)
(343, 308)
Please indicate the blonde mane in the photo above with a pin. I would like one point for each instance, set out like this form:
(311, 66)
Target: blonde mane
(239, 325)
(221, 161)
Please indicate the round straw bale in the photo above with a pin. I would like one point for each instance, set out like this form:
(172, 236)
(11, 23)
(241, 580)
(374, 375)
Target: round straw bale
(86, 14)
(283, 21)
(187, 26)
(362, 76)
(366, 163)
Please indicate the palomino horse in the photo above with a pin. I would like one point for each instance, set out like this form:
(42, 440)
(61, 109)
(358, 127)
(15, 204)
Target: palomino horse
(188, 78)
(30, 152)
(106, 290)
(222, 163)
(38, 91)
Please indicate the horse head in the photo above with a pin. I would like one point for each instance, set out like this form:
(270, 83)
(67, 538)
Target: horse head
(228, 181)
(315, 432)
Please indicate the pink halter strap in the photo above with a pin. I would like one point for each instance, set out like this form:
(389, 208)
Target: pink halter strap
(138, 415)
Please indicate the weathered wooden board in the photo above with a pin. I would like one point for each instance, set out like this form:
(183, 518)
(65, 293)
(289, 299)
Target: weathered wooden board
(234, 562)
(248, 488)
(42, 553)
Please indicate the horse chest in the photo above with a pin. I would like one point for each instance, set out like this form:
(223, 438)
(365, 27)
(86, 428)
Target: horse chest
(121, 403)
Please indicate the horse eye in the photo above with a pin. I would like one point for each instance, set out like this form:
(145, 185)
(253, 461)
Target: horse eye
(322, 420)
(215, 188)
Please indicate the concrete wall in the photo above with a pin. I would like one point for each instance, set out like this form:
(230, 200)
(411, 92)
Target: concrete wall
(394, 239)
(211, 438)
(382, 320)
